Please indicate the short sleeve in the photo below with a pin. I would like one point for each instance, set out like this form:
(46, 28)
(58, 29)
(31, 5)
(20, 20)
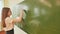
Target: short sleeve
(8, 20)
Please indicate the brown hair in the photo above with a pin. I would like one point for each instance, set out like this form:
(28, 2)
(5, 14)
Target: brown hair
(5, 11)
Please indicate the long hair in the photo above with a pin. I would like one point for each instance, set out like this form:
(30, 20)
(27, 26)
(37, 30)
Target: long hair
(5, 11)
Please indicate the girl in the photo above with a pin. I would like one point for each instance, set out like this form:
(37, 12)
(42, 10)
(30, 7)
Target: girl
(8, 22)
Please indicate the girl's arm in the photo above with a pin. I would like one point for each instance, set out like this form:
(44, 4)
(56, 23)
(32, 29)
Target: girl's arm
(19, 19)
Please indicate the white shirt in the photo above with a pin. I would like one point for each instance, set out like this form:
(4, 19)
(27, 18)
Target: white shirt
(9, 24)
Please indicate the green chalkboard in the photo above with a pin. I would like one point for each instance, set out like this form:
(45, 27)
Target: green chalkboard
(40, 18)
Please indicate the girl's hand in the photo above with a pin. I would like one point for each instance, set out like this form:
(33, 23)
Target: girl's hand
(19, 18)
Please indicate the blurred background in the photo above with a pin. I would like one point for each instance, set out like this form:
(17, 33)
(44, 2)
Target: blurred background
(40, 16)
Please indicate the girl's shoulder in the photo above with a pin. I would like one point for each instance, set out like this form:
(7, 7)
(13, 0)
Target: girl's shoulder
(8, 20)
